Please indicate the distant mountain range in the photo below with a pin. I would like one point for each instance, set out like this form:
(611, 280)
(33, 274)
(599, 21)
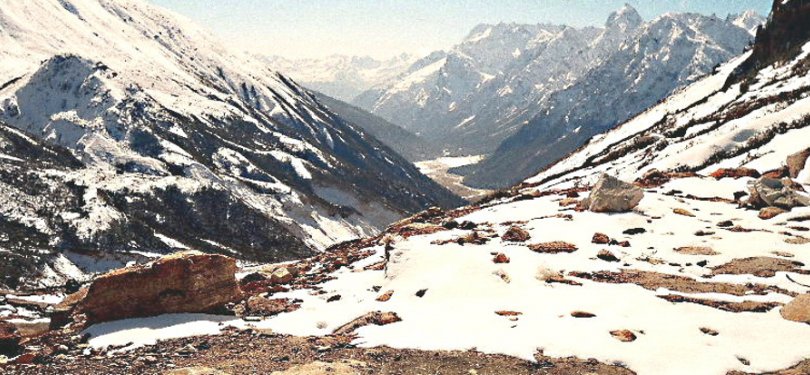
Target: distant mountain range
(126, 131)
(530, 94)
(339, 76)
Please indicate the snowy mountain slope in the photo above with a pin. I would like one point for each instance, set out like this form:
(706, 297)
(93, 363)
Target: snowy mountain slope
(405, 143)
(752, 113)
(500, 77)
(665, 54)
(688, 282)
(339, 76)
(152, 105)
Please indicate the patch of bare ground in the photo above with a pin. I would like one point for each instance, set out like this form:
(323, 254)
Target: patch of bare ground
(802, 368)
(654, 280)
(744, 306)
(759, 266)
(262, 353)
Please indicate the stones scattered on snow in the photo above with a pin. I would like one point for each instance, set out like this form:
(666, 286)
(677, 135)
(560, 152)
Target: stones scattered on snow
(263, 306)
(186, 282)
(500, 258)
(709, 331)
(655, 178)
(418, 229)
(613, 195)
(582, 314)
(797, 162)
(553, 247)
(782, 193)
(376, 318)
(735, 173)
(696, 250)
(768, 213)
(683, 212)
(385, 296)
(655, 280)
(516, 234)
(9, 339)
(797, 310)
(421, 293)
(736, 307)
(473, 238)
(623, 335)
(759, 266)
(600, 238)
(607, 256)
(704, 233)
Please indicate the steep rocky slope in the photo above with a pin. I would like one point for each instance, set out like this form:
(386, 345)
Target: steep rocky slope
(181, 143)
(405, 143)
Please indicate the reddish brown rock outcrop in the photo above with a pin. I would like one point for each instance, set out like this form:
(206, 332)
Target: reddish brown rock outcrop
(177, 283)
(735, 173)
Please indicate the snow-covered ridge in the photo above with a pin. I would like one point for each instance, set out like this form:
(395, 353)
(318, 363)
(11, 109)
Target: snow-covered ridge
(152, 105)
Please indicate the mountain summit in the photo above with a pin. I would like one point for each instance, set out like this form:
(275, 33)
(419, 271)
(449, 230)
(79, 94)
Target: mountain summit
(626, 18)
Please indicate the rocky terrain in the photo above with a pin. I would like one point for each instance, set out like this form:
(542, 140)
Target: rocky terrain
(128, 132)
(676, 243)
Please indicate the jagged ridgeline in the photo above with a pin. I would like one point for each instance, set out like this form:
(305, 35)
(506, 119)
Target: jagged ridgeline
(128, 130)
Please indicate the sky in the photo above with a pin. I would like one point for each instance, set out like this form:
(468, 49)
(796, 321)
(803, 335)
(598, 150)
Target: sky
(385, 28)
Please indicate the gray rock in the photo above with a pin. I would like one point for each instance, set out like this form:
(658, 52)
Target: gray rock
(613, 195)
(784, 193)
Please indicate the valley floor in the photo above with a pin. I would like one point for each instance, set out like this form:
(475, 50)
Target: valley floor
(439, 170)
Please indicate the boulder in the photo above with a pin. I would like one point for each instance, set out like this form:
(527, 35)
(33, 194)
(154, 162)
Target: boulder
(600, 238)
(797, 162)
(516, 234)
(798, 310)
(783, 193)
(9, 339)
(623, 335)
(186, 282)
(613, 195)
(768, 213)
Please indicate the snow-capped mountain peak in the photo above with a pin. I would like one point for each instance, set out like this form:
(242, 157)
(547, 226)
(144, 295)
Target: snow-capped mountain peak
(626, 18)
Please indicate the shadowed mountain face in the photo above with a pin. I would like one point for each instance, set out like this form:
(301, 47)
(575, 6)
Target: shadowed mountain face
(168, 141)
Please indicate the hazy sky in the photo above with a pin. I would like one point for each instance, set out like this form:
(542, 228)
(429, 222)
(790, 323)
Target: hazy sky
(383, 28)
